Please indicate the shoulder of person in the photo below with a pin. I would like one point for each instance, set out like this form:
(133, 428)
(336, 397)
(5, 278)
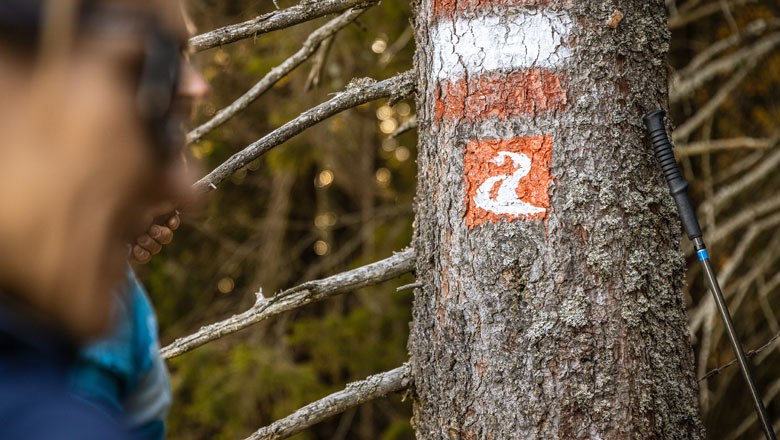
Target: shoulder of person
(38, 411)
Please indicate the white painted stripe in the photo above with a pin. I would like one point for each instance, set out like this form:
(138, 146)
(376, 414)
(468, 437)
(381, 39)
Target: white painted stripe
(476, 45)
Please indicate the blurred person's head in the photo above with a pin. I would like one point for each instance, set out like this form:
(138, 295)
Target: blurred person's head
(89, 145)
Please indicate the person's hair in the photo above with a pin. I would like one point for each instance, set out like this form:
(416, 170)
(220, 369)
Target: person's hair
(20, 22)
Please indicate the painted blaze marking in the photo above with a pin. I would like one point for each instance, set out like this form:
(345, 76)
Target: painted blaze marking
(507, 179)
(493, 60)
(500, 96)
(506, 201)
(488, 43)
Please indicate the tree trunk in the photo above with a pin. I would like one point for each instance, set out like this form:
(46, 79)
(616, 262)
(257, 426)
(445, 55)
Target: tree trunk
(547, 242)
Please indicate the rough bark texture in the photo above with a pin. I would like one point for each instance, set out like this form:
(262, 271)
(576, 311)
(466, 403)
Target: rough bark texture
(568, 323)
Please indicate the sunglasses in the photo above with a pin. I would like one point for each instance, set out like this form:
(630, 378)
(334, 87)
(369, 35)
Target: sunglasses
(158, 80)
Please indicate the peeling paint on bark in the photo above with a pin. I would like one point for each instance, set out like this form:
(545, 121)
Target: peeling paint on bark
(449, 7)
(499, 95)
(574, 327)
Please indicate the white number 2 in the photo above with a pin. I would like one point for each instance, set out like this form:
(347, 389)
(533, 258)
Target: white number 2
(506, 201)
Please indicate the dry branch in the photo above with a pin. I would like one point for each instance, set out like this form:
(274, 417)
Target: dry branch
(309, 48)
(708, 110)
(690, 15)
(705, 311)
(739, 167)
(318, 64)
(410, 124)
(744, 218)
(273, 21)
(295, 297)
(713, 146)
(767, 166)
(358, 92)
(749, 354)
(753, 29)
(683, 86)
(356, 393)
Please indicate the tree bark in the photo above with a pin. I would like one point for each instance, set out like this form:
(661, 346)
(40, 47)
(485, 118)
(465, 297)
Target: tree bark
(547, 243)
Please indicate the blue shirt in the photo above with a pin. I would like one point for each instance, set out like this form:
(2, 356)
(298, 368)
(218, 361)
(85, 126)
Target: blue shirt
(35, 402)
(124, 372)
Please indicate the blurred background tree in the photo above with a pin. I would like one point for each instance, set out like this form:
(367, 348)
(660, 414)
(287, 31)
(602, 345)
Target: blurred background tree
(340, 196)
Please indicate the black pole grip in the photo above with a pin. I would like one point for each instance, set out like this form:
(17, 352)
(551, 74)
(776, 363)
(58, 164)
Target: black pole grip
(656, 128)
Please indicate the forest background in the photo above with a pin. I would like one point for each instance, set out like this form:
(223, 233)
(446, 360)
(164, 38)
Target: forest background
(340, 196)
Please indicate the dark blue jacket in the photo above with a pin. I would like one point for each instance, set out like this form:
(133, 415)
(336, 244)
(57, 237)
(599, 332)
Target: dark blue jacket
(35, 403)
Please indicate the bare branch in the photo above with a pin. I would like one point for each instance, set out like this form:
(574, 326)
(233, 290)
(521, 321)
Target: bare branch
(739, 167)
(727, 193)
(705, 311)
(408, 287)
(683, 86)
(410, 124)
(402, 41)
(683, 18)
(318, 64)
(709, 109)
(753, 29)
(306, 293)
(744, 218)
(358, 92)
(713, 146)
(764, 289)
(273, 21)
(356, 393)
(309, 48)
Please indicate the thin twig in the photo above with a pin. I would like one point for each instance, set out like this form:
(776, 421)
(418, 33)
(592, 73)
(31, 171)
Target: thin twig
(713, 146)
(749, 355)
(356, 393)
(683, 86)
(305, 11)
(409, 124)
(739, 433)
(707, 110)
(729, 192)
(752, 29)
(358, 92)
(744, 218)
(739, 167)
(309, 48)
(295, 297)
(402, 41)
(735, 297)
(705, 310)
(683, 18)
(318, 64)
(408, 287)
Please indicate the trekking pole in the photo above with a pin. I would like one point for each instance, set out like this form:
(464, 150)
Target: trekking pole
(679, 189)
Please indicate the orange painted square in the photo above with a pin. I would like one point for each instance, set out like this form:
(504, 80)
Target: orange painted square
(491, 193)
